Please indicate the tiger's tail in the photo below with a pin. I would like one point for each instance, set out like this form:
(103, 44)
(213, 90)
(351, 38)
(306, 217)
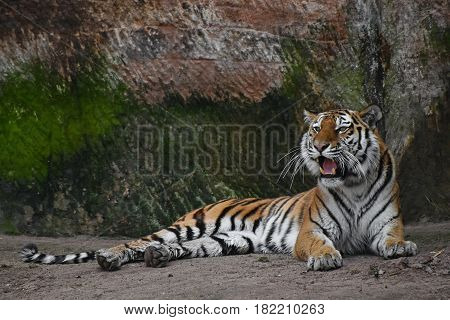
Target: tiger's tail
(30, 253)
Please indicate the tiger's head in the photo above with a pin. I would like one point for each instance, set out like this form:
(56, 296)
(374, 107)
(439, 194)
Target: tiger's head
(341, 147)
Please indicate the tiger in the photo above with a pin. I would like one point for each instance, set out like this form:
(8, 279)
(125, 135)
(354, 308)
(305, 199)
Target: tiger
(353, 209)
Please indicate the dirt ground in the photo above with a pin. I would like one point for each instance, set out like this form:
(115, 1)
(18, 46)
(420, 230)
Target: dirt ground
(426, 276)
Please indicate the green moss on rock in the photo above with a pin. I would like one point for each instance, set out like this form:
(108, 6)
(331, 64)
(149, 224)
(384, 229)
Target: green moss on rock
(347, 86)
(91, 184)
(299, 61)
(309, 81)
(7, 226)
(45, 118)
(440, 39)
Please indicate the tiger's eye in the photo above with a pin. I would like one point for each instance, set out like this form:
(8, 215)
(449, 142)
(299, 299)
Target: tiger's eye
(343, 129)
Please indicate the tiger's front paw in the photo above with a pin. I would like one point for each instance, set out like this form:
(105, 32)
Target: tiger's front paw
(156, 256)
(325, 261)
(108, 260)
(398, 249)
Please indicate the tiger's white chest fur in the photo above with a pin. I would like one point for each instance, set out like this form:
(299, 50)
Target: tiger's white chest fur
(358, 213)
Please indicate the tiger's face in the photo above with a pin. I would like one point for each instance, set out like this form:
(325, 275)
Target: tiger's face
(341, 146)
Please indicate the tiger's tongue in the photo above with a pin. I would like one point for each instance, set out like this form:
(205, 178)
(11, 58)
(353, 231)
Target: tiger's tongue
(329, 166)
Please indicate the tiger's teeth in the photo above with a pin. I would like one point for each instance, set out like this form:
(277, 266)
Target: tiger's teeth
(333, 172)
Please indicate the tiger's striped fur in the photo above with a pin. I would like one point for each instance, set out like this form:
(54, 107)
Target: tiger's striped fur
(353, 209)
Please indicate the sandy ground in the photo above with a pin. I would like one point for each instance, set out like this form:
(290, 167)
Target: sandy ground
(426, 276)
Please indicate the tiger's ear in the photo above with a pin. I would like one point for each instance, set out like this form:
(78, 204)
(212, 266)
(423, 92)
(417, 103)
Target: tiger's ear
(371, 115)
(309, 116)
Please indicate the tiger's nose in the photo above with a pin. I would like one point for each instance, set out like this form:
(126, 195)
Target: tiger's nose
(320, 146)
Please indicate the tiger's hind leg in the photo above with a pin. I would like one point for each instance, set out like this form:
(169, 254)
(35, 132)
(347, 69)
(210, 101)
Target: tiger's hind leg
(188, 227)
(113, 258)
(220, 244)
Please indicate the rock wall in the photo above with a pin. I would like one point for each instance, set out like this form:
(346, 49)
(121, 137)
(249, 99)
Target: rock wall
(79, 80)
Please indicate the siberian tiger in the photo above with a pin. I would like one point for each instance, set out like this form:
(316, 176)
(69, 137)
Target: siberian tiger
(353, 209)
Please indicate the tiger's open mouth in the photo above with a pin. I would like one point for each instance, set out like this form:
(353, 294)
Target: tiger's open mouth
(328, 167)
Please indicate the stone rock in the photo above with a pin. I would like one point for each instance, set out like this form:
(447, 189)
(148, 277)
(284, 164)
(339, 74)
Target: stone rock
(279, 55)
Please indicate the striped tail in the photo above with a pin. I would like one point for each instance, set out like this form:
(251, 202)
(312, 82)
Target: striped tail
(30, 253)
